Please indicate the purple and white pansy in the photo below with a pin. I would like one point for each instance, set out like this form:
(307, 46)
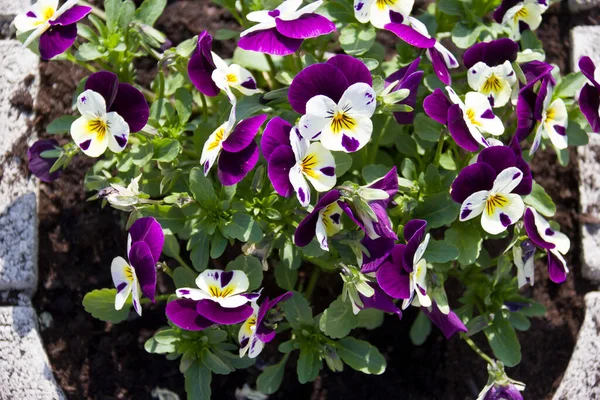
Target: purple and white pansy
(40, 164)
(233, 147)
(490, 71)
(520, 15)
(466, 121)
(415, 33)
(325, 220)
(589, 97)
(336, 102)
(110, 111)
(219, 299)
(377, 12)
(281, 31)
(138, 276)
(55, 27)
(259, 328)
(555, 243)
(406, 78)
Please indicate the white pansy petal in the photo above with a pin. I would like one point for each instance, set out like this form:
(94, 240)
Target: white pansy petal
(192, 294)
(85, 135)
(232, 301)
(319, 111)
(288, 8)
(259, 16)
(447, 56)
(556, 124)
(478, 75)
(421, 250)
(300, 185)
(411, 290)
(91, 104)
(531, 14)
(118, 132)
(403, 7)
(359, 100)
(66, 5)
(331, 217)
(135, 298)
(123, 277)
(473, 205)
(501, 211)
(221, 284)
(309, 8)
(299, 143)
(559, 239)
(362, 10)
(220, 64)
(380, 15)
(212, 148)
(259, 27)
(244, 79)
(507, 180)
(454, 97)
(318, 166)
(255, 347)
(347, 134)
(321, 232)
(537, 139)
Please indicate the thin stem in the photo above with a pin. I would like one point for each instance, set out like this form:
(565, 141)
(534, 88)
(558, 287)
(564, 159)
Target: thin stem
(438, 151)
(95, 10)
(159, 298)
(375, 146)
(314, 278)
(476, 349)
(272, 68)
(204, 108)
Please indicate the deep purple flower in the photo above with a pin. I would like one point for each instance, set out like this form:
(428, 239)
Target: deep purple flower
(379, 250)
(589, 97)
(503, 392)
(449, 323)
(219, 299)
(555, 243)
(234, 148)
(149, 231)
(56, 27)
(40, 166)
(520, 15)
(258, 329)
(281, 31)
(407, 78)
(379, 301)
(415, 33)
(323, 221)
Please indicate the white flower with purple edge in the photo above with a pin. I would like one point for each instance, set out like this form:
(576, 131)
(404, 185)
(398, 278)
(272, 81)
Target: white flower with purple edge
(377, 12)
(520, 15)
(554, 121)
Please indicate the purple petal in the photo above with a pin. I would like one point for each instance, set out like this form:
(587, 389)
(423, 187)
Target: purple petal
(316, 79)
(383, 226)
(439, 66)
(265, 334)
(132, 106)
(503, 8)
(498, 392)
(498, 157)
(233, 167)
(459, 130)
(535, 71)
(557, 270)
(277, 132)
(149, 231)
(587, 67)
(269, 41)
(491, 53)
(72, 15)
(352, 68)
(56, 40)
(182, 312)
(410, 36)
(280, 163)
(589, 102)
(412, 84)
(142, 261)
(532, 231)
(380, 301)
(307, 26)
(436, 106)
(526, 184)
(348, 211)
(244, 133)
(525, 120)
(393, 278)
(213, 311)
(104, 83)
(305, 231)
(201, 66)
(414, 233)
(473, 178)
(389, 183)
(541, 96)
(40, 166)
(379, 250)
(448, 324)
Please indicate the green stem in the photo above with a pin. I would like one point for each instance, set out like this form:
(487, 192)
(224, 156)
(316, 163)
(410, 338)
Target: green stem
(95, 10)
(272, 68)
(159, 298)
(438, 151)
(204, 108)
(476, 349)
(375, 146)
(314, 278)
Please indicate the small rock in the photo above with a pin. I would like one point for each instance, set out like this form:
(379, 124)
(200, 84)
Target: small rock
(576, 6)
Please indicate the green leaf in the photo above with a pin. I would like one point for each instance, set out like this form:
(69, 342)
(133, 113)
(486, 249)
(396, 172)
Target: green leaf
(214, 363)
(343, 162)
(197, 381)
(297, 311)
(408, 169)
(101, 304)
(183, 277)
(251, 266)
(308, 365)
(519, 321)
(576, 136)
(503, 341)
(61, 125)
(202, 188)
(439, 251)
(290, 256)
(243, 228)
(199, 253)
(88, 52)
(218, 245)
(438, 210)
(369, 318)
(451, 7)
(183, 104)
(530, 41)
(356, 40)
(150, 10)
(374, 171)
(466, 239)
(420, 329)
(270, 379)
(426, 128)
(166, 150)
(250, 59)
(171, 246)
(447, 162)
(285, 277)
(464, 36)
(338, 319)
(361, 356)
(126, 14)
(570, 85)
(226, 34)
(153, 346)
(540, 200)
(111, 9)
(142, 153)
(169, 217)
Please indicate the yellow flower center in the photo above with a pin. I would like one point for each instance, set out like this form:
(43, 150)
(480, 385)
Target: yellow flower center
(216, 291)
(231, 78)
(99, 127)
(521, 14)
(308, 164)
(128, 273)
(218, 137)
(342, 121)
(494, 201)
(492, 84)
(46, 15)
(550, 114)
(382, 4)
(470, 113)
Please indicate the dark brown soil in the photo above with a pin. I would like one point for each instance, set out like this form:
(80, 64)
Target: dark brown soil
(96, 360)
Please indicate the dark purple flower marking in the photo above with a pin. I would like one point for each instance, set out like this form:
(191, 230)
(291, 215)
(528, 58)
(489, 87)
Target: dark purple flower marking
(40, 166)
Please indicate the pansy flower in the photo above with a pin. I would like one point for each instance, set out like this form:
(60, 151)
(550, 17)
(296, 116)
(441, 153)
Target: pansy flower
(337, 102)
(492, 187)
(523, 256)
(40, 165)
(490, 71)
(138, 276)
(109, 112)
(378, 11)
(234, 147)
(406, 78)
(520, 15)
(219, 299)
(295, 161)
(325, 220)
(447, 322)
(589, 97)
(466, 121)
(259, 328)
(404, 275)
(281, 31)
(56, 27)
(555, 243)
(210, 74)
(415, 33)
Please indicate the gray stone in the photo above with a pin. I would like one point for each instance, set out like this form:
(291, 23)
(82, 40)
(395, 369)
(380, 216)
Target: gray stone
(576, 6)
(13, 7)
(25, 372)
(585, 42)
(581, 380)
